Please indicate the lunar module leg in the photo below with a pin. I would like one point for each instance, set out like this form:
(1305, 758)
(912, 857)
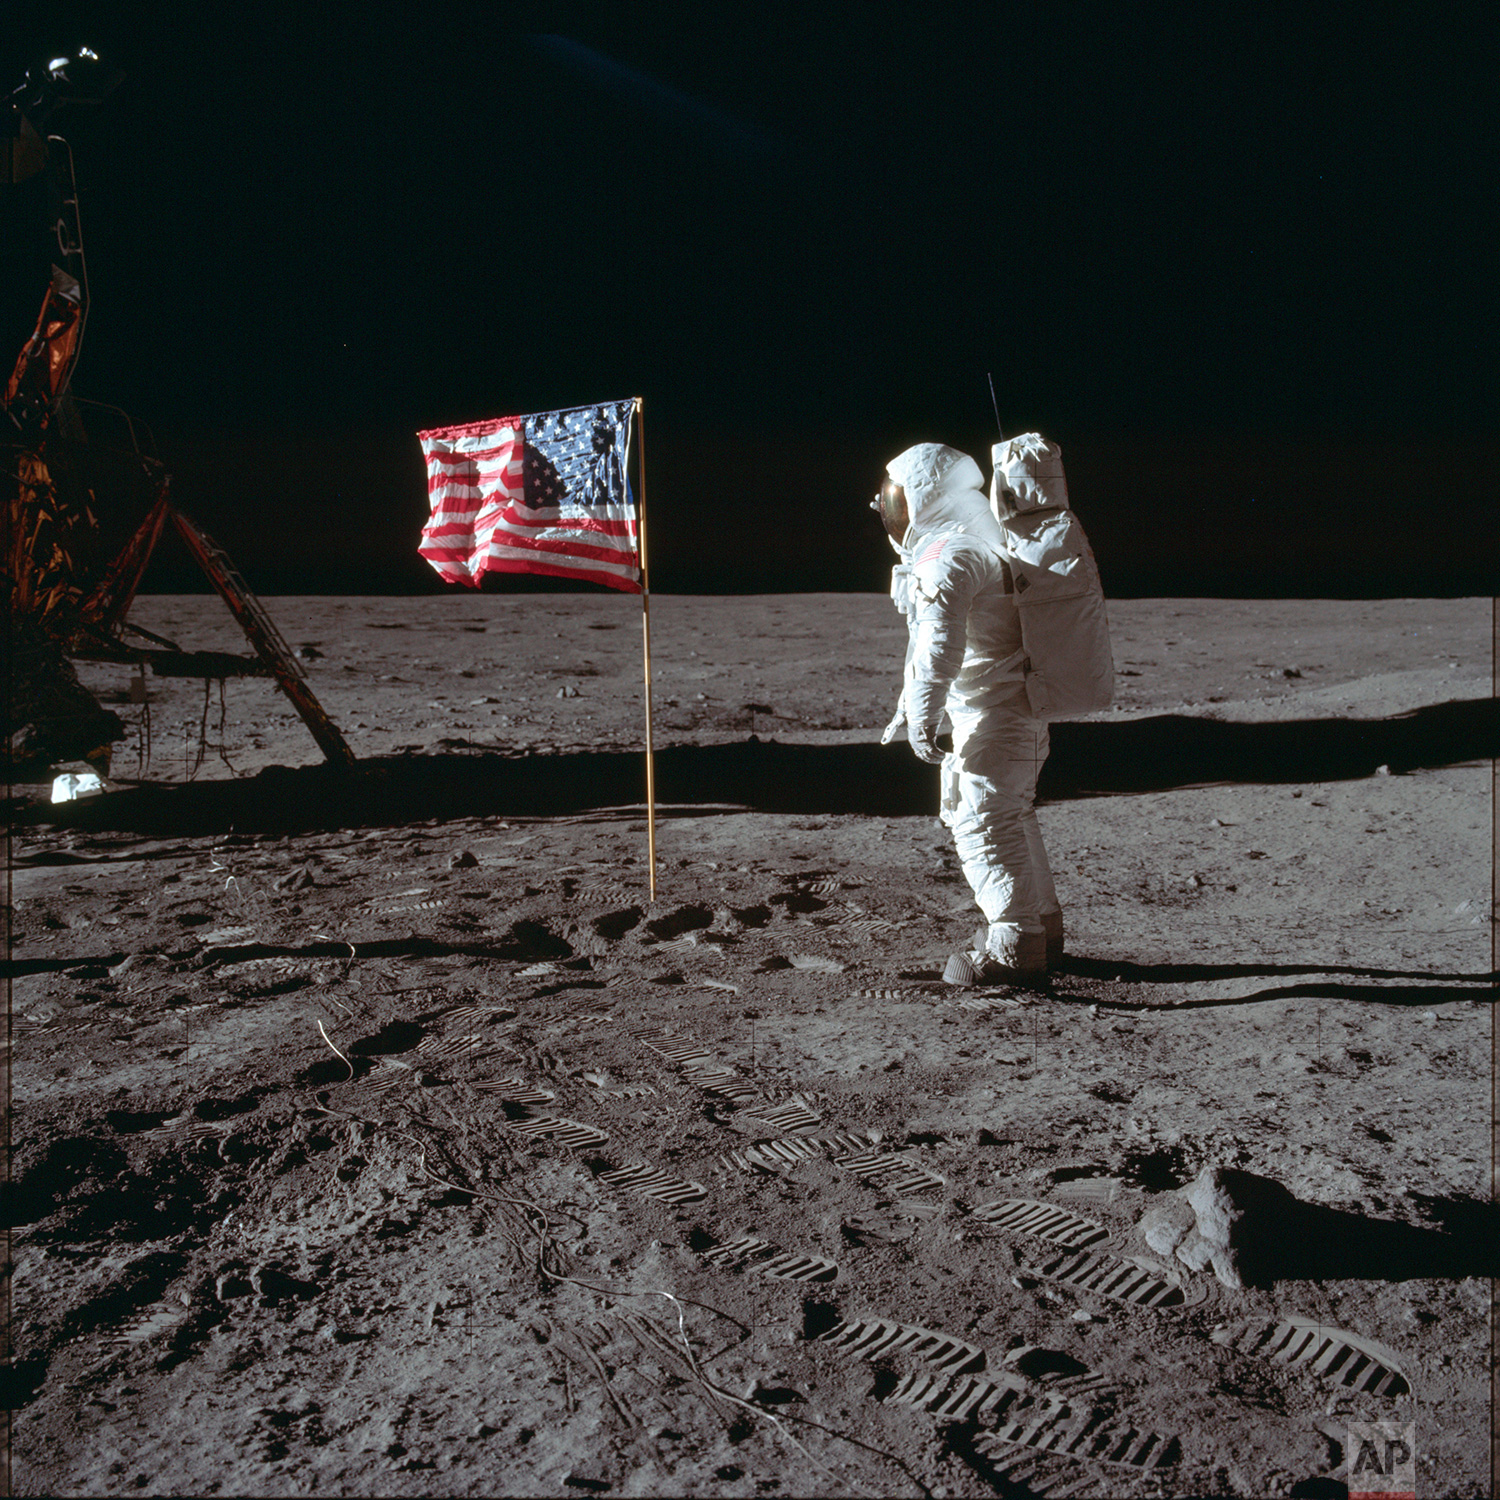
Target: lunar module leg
(265, 638)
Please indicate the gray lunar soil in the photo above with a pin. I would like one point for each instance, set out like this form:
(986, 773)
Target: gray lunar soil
(387, 1138)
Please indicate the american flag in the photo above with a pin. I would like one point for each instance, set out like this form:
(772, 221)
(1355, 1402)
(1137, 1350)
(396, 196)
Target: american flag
(545, 493)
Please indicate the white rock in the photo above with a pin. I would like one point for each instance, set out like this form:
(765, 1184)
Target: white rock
(1166, 1224)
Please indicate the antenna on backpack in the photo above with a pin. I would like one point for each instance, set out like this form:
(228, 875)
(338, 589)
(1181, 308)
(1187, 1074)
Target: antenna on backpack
(996, 405)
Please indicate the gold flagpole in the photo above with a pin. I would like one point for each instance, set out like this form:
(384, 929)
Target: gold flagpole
(640, 438)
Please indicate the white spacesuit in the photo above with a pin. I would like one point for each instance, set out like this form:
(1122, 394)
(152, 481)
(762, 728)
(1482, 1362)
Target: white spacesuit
(965, 655)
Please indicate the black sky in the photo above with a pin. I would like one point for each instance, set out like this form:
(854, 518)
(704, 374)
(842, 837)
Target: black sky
(1236, 260)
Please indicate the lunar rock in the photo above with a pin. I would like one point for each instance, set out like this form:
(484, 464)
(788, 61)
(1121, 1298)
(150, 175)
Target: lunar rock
(1167, 1223)
(1215, 1238)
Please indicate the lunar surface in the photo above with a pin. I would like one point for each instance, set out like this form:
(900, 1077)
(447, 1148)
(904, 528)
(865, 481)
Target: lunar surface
(379, 1134)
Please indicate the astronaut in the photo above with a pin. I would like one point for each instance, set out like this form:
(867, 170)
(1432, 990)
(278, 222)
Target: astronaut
(957, 588)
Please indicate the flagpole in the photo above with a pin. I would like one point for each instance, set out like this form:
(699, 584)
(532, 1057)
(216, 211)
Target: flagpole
(640, 437)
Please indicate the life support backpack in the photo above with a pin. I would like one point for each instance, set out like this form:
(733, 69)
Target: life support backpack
(1069, 667)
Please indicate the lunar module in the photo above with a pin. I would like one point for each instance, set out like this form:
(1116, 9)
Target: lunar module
(85, 501)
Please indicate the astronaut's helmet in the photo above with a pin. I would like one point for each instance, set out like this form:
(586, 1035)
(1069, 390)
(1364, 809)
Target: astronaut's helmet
(891, 505)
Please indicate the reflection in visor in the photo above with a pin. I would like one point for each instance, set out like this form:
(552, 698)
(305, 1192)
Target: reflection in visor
(891, 504)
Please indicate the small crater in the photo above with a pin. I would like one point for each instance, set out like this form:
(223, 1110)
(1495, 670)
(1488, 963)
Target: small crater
(818, 1317)
(20, 1380)
(1157, 1171)
(1078, 1173)
(124, 1122)
(680, 920)
(775, 1395)
(1318, 1487)
(531, 940)
(239, 1150)
(394, 1036)
(1040, 1364)
(225, 1109)
(320, 1074)
(797, 901)
(615, 924)
(276, 1286)
(70, 1163)
(143, 1281)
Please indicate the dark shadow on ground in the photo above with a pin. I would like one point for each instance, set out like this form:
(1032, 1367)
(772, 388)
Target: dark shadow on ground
(1088, 760)
(505, 949)
(1425, 995)
(1281, 1238)
(1119, 970)
(530, 941)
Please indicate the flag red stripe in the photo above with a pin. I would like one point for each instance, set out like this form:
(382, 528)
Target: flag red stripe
(453, 457)
(504, 538)
(440, 481)
(472, 429)
(449, 569)
(450, 534)
(431, 548)
(626, 585)
(604, 556)
(563, 559)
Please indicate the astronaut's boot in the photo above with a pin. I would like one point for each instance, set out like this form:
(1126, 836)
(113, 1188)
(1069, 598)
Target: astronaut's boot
(1002, 954)
(1052, 927)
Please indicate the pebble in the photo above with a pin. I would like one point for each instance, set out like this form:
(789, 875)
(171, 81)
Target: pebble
(1082, 1315)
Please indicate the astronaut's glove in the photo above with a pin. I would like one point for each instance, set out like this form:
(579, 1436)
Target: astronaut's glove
(923, 741)
(896, 726)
